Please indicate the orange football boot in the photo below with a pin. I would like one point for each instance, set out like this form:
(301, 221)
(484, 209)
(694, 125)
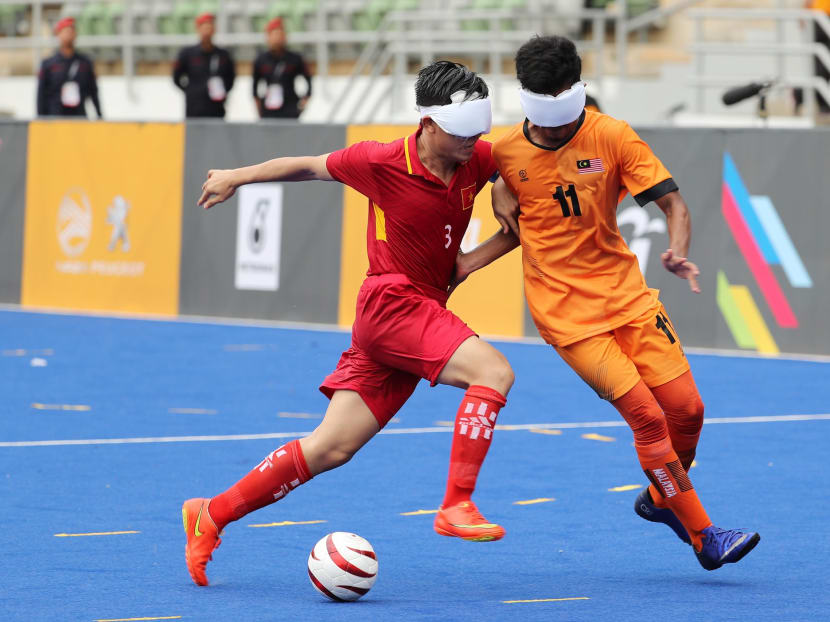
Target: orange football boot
(202, 538)
(464, 521)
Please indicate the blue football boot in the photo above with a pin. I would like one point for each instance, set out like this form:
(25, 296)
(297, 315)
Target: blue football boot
(725, 546)
(644, 506)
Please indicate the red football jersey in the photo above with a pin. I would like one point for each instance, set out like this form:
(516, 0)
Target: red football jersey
(415, 222)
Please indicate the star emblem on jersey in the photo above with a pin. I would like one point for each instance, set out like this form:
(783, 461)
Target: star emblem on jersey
(593, 165)
(468, 197)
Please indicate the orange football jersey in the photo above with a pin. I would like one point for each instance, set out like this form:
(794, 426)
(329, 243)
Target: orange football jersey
(580, 277)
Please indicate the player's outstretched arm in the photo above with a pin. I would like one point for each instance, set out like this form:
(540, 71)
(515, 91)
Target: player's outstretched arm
(680, 234)
(221, 184)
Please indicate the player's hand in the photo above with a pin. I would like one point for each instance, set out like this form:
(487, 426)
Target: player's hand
(681, 267)
(218, 187)
(505, 207)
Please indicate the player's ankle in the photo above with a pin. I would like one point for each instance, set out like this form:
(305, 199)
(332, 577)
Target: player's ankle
(455, 495)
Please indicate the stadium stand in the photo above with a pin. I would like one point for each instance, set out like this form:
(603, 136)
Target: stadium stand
(685, 47)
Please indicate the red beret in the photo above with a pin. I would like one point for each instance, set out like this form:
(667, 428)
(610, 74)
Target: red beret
(205, 17)
(64, 23)
(274, 23)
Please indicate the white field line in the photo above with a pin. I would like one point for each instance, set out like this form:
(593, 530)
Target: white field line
(526, 426)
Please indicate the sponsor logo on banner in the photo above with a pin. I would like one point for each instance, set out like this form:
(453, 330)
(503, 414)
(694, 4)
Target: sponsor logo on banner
(258, 236)
(74, 225)
(97, 235)
(75, 231)
(643, 225)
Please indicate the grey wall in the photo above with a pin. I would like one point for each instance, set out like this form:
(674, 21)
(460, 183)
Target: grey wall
(13, 151)
(792, 167)
(311, 227)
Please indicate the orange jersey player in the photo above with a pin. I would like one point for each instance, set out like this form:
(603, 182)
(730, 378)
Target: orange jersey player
(569, 168)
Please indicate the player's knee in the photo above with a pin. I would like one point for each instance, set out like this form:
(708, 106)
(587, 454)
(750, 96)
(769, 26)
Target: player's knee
(323, 454)
(648, 426)
(690, 416)
(335, 456)
(497, 374)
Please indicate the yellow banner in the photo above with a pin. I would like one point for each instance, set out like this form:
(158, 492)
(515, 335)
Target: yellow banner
(491, 301)
(103, 216)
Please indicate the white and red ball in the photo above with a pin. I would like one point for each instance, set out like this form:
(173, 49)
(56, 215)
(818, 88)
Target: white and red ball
(342, 566)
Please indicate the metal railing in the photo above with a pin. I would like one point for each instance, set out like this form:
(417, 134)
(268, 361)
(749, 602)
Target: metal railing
(405, 36)
(780, 49)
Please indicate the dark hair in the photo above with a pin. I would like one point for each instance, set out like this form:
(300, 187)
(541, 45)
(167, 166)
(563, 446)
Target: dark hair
(437, 81)
(548, 64)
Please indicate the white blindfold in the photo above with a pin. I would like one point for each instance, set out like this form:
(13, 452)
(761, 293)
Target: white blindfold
(553, 111)
(461, 118)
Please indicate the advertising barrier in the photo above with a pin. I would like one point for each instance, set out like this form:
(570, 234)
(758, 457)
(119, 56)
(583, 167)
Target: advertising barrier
(13, 142)
(272, 251)
(103, 216)
(111, 224)
(760, 204)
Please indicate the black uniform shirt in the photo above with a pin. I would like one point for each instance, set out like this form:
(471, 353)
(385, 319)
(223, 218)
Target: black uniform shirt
(55, 72)
(193, 69)
(280, 70)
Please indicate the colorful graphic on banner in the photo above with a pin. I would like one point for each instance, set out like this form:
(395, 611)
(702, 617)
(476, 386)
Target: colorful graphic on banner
(764, 242)
(103, 217)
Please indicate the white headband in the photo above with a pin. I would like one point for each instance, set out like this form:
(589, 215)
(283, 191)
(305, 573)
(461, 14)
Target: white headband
(461, 118)
(553, 111)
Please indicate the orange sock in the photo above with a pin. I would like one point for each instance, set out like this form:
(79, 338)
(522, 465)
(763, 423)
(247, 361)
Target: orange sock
(474, 425)
(673, 487)
(680, 401)
(686, 458)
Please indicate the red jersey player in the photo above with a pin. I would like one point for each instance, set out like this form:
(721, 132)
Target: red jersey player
(421, 190)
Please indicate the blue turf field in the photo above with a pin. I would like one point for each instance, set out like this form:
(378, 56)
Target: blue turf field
(159, 381)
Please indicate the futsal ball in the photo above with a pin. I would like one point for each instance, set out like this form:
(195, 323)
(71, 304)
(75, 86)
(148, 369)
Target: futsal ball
(342, 566)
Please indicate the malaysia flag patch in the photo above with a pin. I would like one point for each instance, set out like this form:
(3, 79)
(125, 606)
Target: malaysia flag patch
(594, 165)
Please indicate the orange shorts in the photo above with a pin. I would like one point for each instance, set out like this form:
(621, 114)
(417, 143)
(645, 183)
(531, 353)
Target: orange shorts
(647, 349)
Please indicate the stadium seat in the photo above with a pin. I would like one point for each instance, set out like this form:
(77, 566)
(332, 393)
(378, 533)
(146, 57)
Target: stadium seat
(184, 14)
(371, 16)
(163, 16)
(10, 18)
(290, 11)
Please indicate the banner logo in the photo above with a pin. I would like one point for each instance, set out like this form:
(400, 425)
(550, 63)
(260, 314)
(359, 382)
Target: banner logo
(75, 232)
(117, 217)
(74, 224)
(763, 242)
(643, 224)
(258, 236)
(96, 238)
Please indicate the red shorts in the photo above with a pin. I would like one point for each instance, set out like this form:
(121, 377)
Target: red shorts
(400, 335)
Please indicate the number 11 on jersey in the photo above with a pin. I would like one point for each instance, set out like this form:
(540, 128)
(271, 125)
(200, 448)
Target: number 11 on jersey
(562, 196)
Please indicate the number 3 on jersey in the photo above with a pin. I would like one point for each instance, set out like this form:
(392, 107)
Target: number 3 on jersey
(448, 229)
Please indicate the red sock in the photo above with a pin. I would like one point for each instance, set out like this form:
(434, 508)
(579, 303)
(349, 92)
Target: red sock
(474, 425)
(281, 472)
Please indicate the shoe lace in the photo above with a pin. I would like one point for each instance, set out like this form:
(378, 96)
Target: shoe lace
(472, 515)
